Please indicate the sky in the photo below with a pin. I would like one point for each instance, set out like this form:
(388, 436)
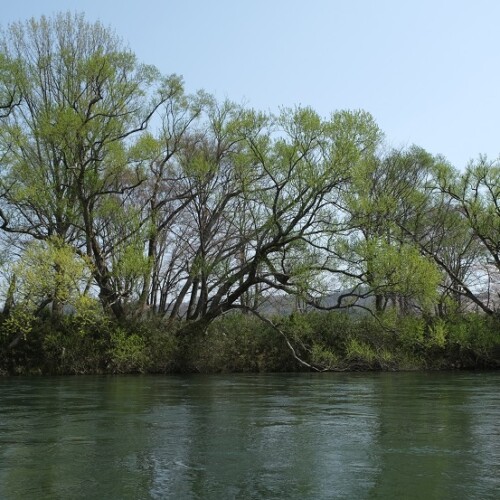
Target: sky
(427, 70)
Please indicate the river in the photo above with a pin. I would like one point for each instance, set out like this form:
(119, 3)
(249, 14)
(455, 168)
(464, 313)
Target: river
(350, 436)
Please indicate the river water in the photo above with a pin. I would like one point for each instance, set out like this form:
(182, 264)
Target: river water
(353, 436)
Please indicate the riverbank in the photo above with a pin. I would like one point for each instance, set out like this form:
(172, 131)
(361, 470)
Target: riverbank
(242, 343)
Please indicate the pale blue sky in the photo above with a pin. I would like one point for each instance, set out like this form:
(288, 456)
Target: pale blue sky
(428, 70)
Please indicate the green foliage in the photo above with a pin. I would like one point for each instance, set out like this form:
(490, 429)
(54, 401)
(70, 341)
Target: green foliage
(218, 206)
(50, 270)
(473, 340)
(65, 351)
(400, 270)
(324, 358)
(409, 330)
(437, 334)
(19, 322)
(241, 343)
(162, 346)
(128, 352)
(361, 353)
(88, 316)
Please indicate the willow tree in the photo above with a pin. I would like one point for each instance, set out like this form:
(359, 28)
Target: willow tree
(9, 96)
(265, 190)
(469, 221)
(387, 191)
(165, 195)
(81, 99)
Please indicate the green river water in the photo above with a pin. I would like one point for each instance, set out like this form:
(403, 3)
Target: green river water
(352, 436)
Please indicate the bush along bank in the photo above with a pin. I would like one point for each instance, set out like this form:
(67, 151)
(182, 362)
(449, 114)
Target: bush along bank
(242, 343)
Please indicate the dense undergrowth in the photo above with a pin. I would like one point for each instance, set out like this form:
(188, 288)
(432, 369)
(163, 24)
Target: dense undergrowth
(242, 343)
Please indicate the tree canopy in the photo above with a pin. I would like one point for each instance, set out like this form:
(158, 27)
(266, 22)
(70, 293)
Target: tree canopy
(117, 185)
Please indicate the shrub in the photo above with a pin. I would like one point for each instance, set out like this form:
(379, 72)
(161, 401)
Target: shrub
(436, 334)
(71, 352)
(324, 358)
(360, 354)
(127, 352)
(240, 343)
(18, 323)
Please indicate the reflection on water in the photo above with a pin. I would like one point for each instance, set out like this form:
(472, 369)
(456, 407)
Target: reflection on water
(348, 436)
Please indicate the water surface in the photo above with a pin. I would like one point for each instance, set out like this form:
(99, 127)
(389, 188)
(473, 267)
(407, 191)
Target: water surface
(353, 436)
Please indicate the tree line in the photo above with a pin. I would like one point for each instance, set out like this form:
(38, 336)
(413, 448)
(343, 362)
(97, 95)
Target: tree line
(120, 189)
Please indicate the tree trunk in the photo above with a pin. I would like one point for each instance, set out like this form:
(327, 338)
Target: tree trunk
(9, 300)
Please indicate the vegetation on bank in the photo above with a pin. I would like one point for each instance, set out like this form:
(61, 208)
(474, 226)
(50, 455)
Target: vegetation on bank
(144, 229)
(239, 343)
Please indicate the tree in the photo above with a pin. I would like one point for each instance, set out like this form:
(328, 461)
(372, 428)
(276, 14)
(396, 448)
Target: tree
(165, 194)
(82, 99)
(387, 191)
(266, 190)
(216, 171)
(473, 198)
(50, 271)
(9, 95)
